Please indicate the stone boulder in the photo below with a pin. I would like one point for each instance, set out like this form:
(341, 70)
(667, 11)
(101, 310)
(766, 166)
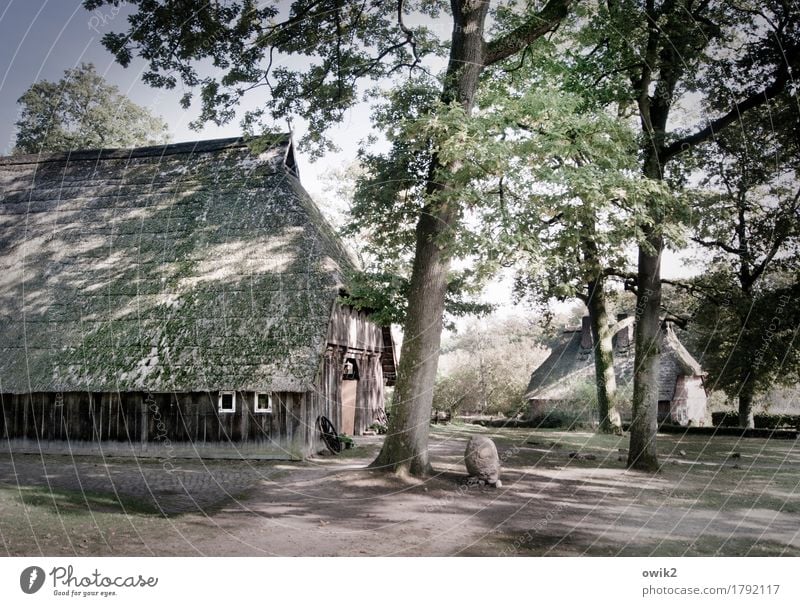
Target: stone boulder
(482, 461)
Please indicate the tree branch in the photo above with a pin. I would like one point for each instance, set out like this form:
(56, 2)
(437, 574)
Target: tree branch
(694, 289)
(533, 29)
(624, 323)
(611, 272)
(718, 244)
(782, 78)
(680, 321)
(409, 34)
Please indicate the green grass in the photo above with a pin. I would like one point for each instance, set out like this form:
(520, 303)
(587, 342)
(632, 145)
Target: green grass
(74, 502)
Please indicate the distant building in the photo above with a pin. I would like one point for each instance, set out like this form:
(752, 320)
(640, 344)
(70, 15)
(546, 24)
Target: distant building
(179, 298)
(682, 396)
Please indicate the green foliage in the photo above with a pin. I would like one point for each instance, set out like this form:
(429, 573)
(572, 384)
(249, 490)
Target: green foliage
(82, 111)
(385, 296)
(390, 193)
(746, 218)
(486, 368)
(567, 415)
(379, 428)
(730, 418)
(534, 177)
(382, 294)
(340, 45)
(747, 338)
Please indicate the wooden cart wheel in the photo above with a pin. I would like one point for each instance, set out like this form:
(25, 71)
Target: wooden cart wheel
(329, 434)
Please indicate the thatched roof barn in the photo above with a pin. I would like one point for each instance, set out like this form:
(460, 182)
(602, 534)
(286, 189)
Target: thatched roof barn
(570, 366)
(195, 283)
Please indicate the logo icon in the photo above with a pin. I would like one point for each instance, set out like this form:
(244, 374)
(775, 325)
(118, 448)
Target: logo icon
(31, 579)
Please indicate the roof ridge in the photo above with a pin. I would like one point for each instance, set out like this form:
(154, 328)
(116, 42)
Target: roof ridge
(148, 151)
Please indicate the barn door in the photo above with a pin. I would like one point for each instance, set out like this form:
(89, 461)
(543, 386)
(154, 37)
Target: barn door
(349, 392)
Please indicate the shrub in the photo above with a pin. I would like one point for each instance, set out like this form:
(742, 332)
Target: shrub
(378, 428)
(730, 418)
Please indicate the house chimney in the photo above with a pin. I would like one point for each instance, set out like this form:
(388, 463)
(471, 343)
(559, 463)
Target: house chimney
(586, 333)
(622, 339)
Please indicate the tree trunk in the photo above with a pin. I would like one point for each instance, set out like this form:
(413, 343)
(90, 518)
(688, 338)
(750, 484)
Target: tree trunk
(605, 378)
(405, 449)
(644, 425)
(746, 403)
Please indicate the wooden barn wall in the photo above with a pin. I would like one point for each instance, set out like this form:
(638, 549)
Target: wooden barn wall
(328, 395)
(353, 329)
(151, 420)
(369, 397)
(352, 335)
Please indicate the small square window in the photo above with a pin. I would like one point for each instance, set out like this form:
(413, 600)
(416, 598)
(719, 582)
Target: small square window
(227, 401)
(263, 402)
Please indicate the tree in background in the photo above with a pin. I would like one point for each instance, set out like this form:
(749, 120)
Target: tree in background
(648, 56)
(549, 179)
(485, 368)
(748, 219)
(83, 111)
(577, 223)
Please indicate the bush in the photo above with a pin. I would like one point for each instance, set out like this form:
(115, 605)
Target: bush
(730, 418)
(772, 421)
(725, 418)
(775, 434)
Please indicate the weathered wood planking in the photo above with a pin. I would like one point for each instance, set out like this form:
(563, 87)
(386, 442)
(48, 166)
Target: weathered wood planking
(139, 418)
(353, 329)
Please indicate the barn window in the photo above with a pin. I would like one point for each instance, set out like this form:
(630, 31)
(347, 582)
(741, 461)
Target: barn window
(350, 370)
(263, 402)
(227, 401)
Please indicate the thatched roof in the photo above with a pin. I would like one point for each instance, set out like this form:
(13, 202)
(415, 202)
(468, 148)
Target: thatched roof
(569, 364)
(172, 268)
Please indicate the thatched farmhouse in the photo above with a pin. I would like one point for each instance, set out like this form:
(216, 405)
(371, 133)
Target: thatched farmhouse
(569, 372)
(179, 298)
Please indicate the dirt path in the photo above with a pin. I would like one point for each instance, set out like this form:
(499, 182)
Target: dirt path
(701, 503)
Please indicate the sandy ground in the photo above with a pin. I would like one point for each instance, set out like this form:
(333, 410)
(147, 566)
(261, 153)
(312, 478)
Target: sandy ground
(713, 496)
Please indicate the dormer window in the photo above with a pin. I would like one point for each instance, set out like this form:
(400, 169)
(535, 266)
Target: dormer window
(263, 403)
(227, 402)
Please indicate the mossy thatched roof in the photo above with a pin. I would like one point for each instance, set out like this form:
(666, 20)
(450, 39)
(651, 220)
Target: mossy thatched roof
(184, 267)
(569, 365)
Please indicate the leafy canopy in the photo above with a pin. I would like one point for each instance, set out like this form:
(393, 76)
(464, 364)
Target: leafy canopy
(306, 58)
(83, 111)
